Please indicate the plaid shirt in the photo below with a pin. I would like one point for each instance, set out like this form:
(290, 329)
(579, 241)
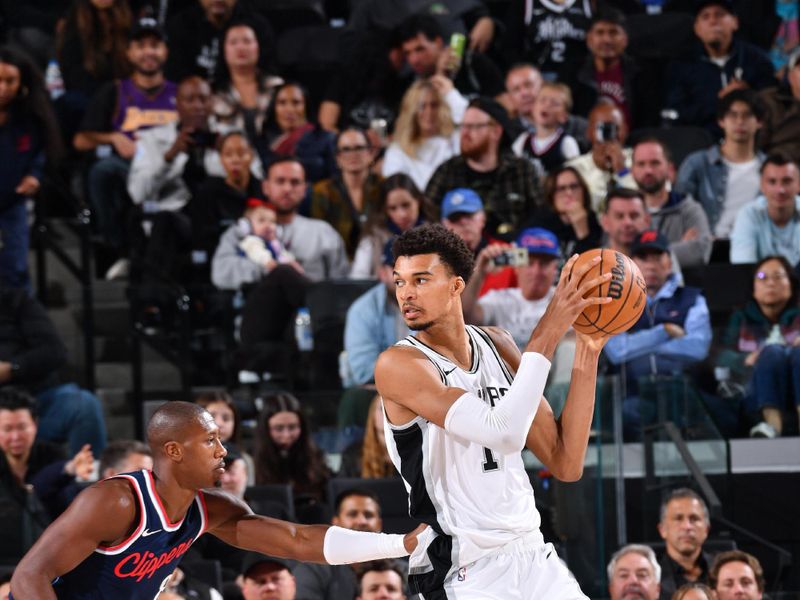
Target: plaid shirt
(331, 202)
(510, 194)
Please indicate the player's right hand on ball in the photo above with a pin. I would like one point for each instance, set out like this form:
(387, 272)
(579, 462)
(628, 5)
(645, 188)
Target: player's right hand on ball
(567, 304)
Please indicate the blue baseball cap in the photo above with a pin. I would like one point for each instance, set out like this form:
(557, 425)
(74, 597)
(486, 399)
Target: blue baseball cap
(461, 200)
(539, 241)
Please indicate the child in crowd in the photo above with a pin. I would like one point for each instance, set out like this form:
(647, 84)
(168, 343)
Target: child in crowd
(250, 248)
(548, 147)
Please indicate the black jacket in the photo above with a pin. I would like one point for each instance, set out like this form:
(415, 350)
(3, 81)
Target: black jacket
(642, 91)
(29, 340)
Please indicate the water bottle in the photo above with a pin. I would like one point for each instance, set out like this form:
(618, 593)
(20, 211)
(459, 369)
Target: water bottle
(302, 330)
(53, 80)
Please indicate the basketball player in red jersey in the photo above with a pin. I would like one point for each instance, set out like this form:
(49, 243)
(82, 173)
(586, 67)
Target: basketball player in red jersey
(124, 536)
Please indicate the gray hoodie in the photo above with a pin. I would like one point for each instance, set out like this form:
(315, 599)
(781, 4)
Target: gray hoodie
(674, 219)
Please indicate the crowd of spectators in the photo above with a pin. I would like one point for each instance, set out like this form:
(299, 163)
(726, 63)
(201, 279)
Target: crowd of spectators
(543, 127)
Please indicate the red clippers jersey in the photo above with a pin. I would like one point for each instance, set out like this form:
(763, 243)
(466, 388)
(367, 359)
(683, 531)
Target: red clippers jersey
(140, 566)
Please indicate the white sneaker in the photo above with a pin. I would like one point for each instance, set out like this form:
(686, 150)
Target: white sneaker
(763, 430)
(119, 270)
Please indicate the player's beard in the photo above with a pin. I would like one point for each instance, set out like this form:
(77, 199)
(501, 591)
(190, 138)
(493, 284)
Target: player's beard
(420, 326)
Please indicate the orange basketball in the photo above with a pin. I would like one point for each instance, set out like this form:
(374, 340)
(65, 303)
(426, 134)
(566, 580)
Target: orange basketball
(626, 288)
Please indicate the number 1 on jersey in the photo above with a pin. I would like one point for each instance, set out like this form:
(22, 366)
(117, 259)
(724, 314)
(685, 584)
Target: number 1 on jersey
(489, 461)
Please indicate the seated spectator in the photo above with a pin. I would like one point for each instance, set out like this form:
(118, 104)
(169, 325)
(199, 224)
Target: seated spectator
(548, 146)
(608, 164)
(724, 178)
(285, 453)
(119, 110)
(401, 207)
(317, 248)
(735, 575)
(31, 355)
(29, 134)
(761, 346)
(568, 212)
(262, 575)
(125, 456)
(354, 509)
(717, 64)
(679, 218)
(26, 461)
(684, 525)
(693, 591)
(196, 37)
(633, 572)
(220, 201)
(673, 332)
(287, 132)
(222, 407)
(463, 214)
(781, 129)
(607, 72)
(523, 82)
(424, 134)
(551, 35)
(347, 199)
(474, 74)
(183, 585)
(250, 249)
(380, 580)
(90, 49)
(369, 458)
(507, 184)
(242, 92)
(624, 218)
(518, 309)
(770, 224)
(171, 163)
(5, 586)
(373, 323)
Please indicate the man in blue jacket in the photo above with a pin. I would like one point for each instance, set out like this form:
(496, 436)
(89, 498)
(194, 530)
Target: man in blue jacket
(717, 64)
(673, 332)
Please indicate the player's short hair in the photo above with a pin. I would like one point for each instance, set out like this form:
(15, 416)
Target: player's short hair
(433, 238)
(424, 24)
(724, 558)
(14, 398)
(680, 494)
(778, 159)
(350, 492)
(651, 139)
(378, 566)
(117, 451)
(283, 159)
(562, 89)
(641, 549)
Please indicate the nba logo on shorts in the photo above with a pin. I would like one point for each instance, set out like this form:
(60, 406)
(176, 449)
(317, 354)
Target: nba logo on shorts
(462, 574)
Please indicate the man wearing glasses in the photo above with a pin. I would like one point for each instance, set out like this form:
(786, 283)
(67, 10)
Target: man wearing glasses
(507, 184)
(770, 225)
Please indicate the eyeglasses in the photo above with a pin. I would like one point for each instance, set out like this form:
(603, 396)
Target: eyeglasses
(568, 187)
(474, 126)
(777, 276)
(287, 428)
(351, 149)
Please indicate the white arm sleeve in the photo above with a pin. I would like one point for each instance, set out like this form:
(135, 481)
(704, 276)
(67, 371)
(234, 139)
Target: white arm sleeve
(503, 427)
(343, 546)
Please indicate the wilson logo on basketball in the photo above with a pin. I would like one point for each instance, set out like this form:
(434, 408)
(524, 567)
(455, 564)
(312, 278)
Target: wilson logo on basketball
(140, 565)
(617, 277)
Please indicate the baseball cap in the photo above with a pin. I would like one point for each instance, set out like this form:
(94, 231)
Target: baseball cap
(699, 5)
(649, 241)
(147, 26)
(253, 559)
(460, 200)
(537, 240)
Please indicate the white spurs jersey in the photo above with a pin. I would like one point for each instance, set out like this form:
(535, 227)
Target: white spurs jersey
(475, 499)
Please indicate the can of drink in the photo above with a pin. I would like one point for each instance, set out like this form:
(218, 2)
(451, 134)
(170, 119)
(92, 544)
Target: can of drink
(458, 42)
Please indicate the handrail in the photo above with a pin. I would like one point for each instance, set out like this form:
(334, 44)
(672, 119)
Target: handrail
(711, 497)
(80, 270)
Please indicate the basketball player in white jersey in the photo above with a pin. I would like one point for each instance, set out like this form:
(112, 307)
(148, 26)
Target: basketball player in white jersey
(460, 404)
